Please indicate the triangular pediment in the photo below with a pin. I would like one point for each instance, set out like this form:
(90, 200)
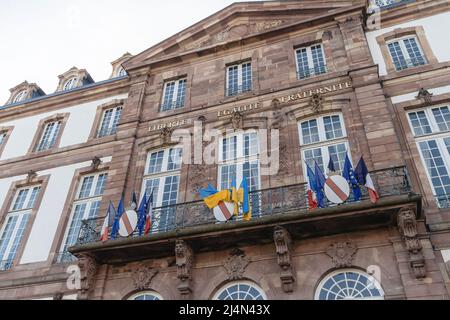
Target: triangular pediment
(238, 22)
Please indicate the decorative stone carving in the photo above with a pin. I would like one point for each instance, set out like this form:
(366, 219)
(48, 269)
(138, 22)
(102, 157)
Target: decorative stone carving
(58, 296)
(88, 270)
(342, 254)
(31, 175)
(283, 244)
(143, 277)
(237, 120)
(166, 136)
(424, 95)
(236, 264)
(407, 226)
(184, 261)
(316, 103)
(96, 162)
(327, 35)
(278, 119)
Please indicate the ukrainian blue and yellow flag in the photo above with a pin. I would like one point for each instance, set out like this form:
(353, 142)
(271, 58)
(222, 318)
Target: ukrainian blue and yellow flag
(244, 199)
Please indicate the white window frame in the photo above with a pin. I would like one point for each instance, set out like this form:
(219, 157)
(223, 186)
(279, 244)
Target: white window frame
(240, 157)
(143, 293)
(323, 143)
(404, 50)
(89, 201)
(234, 283)
(110, 128)
(162, 175)
(53, 136)
(310, 60)
(70, 83)
(19, 97)
(173, 103)
(22, 213)
(240, 78)
(435, 135)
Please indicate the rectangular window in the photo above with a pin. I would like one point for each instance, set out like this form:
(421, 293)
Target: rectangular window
(49, 136)
(2, 137)
(322, 138)
(85, 206)
(162, 178)
(389, 3)
(430, 120)
(110, 120)
(16, 221)
(174, 95)
(239, 79)
(310, 61)
(406, 53)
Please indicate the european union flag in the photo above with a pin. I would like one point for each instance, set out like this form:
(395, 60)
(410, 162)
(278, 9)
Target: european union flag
(116, 224)
(349, 175)
(320, 184)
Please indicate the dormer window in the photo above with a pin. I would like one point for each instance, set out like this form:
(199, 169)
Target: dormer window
(21, 96)
(122, 72)
(71, 83)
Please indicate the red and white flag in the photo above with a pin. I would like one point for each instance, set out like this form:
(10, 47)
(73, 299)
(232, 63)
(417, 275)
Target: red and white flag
(364, 178)
(107, 222)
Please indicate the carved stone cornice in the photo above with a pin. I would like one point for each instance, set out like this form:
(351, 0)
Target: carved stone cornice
(283, 245)
(341, 253)
(407, 226)
(143, 276)
(236, 264)
(88, 269)
(184, 256)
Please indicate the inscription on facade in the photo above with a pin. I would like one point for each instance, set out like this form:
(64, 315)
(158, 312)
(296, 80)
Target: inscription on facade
(172, 124)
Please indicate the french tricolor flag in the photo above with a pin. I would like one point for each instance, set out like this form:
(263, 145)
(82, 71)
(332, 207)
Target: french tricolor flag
(312, 188)
(107, 222)
(363, 177)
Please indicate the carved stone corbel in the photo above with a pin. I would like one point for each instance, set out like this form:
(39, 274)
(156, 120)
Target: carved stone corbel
(341, 254)
(316, 103)
(237, 120)
(96, 162)
(166, 136)
(142, 277)
(424, 95)
(283, 244)
(184, 260)
(236, 264)
(31, 175)
(88, 269)
(407, 226)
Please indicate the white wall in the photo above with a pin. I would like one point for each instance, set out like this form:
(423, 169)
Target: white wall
(43, 231)
(436, 30)
(446, 255)
(412, 95)
(77, 129)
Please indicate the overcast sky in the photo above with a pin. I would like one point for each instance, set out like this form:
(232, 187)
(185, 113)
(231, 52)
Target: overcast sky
(42, 39)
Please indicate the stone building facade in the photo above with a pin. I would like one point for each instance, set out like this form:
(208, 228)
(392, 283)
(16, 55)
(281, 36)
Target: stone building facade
(327, 77)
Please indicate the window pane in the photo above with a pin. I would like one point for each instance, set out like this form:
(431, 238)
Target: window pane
(229, 148)
(170, 193)
(333, 127)
(420, 123)
(181, 93)
(227, 175)
(233, 83)
(246, 77)
(156, 160)
(442, 117)
(100, 187)
(6, 235)
(18, 236)
(337, 153)
(310, 132)
(20, 200)
(397, 56)
(86, 186)
(302, 63)
(168, 96)
(318, 59)
(250, 144)
(314, 155)
(33, 197)
(436, 168)
(414, 52)
(75, 225)
(251, 172)
(175, 159)
(152, 185)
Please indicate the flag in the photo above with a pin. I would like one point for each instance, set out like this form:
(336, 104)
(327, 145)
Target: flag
(331, 167)
(116, 224)
(363, 177)
(235, 197)
(312, 199)
(245, 200)
(349, 175)
(209, 191)
(142, 214)
(148, 214)
(107, 222)
(320, 184)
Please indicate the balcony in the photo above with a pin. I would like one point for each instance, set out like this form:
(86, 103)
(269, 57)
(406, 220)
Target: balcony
(311, 72)
(404, 64)
(6, 265)
(285, 206)
(235, 90)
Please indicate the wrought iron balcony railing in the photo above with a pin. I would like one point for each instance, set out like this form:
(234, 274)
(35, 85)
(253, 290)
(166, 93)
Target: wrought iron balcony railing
(235, 90)
(311, 72)
(410, 63)
(268, 202)
(170, 105)
(106, 132)
(6, 265)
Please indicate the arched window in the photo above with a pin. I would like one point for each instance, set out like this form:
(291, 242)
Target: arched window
(121, 72)
(20, 96)
(240, 291)
(349, 285)
(71, 83)
(146, 295)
